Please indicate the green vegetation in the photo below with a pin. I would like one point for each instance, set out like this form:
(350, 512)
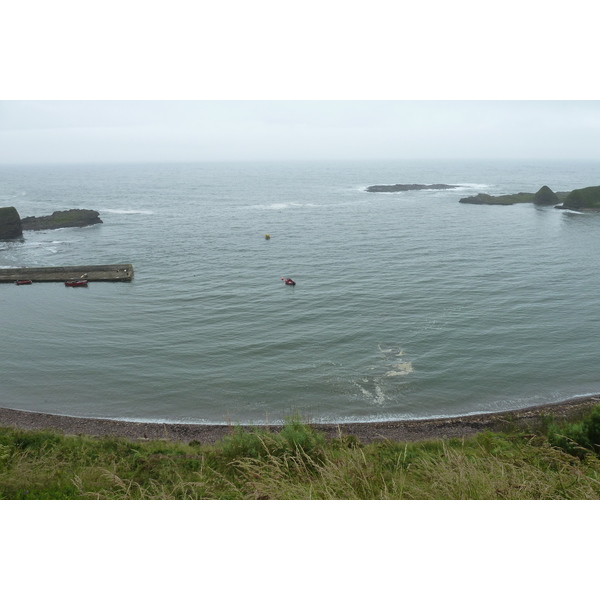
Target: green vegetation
(506, 199)
(584, 198)
(546, 197)
(560, 461)
(543, 196)
(578, 438)
(75, 217)
(581, 199)
(66, 217)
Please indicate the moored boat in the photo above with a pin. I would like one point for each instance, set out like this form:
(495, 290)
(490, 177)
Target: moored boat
(23, 282)
(76, 283)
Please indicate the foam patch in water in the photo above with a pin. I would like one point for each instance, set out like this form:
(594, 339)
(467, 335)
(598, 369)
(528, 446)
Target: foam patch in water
(377, 396)
(400, 369)
(119, 211)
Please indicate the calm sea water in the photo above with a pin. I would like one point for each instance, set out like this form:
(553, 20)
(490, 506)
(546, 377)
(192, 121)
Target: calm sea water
(407, 305)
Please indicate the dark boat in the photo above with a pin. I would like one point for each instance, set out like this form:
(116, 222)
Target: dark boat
(288, 281)
(76, 283)
(23, 282)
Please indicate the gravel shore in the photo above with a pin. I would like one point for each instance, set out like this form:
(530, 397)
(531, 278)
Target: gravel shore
(365, 432)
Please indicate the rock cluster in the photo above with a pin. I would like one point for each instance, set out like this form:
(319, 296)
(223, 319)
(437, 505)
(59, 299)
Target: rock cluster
(10, 223)
(76, 217)
(12, 226)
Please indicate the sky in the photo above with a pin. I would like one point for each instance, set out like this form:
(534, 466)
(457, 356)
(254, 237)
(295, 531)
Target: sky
(128, 81)
(115, 131)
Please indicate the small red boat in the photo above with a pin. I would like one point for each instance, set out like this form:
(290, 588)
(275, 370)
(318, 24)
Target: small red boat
(23, 282)
(288, 281)
(76, 283)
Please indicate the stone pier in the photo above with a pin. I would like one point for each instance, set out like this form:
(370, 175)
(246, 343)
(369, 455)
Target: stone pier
(122, 272)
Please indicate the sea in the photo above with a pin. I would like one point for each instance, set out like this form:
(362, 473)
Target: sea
(407, 305)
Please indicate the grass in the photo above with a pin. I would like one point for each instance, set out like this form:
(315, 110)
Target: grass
(579, 437)
(560, 461)
(508, 199)
(584, 198)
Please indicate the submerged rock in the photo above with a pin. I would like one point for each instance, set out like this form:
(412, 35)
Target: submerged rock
(406, 187)
(76, 217)
(10, 223)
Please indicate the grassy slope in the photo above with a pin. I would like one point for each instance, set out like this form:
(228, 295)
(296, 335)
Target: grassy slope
(298, 463)
(585, 198)
(507, 199)
(59, 219)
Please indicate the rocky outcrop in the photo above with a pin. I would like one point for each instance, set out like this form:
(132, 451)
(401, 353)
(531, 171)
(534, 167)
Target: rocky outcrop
(505, 200)
(76, 217)
(583, 199)
(546, 197)
(10, 223)
(407, 187)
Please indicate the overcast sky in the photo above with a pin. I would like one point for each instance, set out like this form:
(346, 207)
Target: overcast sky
(142, 131)
(318, 80)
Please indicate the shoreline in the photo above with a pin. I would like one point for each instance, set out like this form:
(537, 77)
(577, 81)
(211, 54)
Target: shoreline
(403, 431)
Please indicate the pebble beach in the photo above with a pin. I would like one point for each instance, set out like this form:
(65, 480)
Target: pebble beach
(413, 430)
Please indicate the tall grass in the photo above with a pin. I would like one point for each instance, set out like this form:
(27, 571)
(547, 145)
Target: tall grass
(299, 463)
(578, 437)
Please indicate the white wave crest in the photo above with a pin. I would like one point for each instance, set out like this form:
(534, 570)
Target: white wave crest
(282, 205)
(125, 211)
(397, 351)
(473, 185)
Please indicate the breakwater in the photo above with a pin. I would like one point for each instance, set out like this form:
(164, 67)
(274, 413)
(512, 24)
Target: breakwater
(122, 272)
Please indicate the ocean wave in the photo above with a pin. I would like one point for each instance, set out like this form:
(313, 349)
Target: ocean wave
(459, 187)
(395, 350)
(473, 185)
(45, 244)
(282, 205)
(126, 211)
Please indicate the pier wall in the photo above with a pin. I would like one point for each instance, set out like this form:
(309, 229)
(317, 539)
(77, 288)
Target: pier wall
(122, 272)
